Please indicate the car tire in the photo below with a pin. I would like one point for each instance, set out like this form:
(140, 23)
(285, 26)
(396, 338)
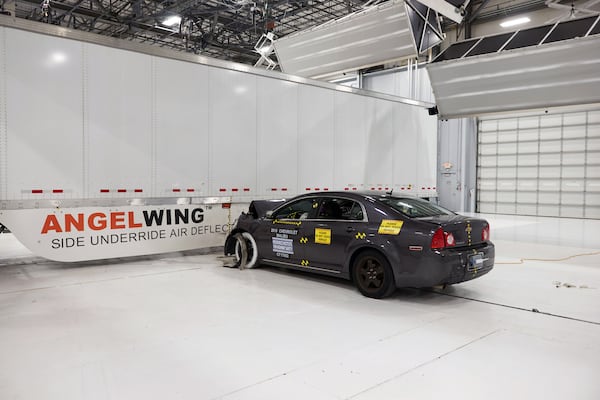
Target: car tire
(373, 275)
(246, 252)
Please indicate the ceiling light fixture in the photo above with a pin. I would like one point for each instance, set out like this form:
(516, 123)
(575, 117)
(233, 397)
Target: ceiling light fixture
(172, 20)
(515, 21)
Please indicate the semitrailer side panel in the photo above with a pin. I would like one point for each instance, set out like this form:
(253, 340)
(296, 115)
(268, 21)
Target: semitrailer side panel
(119, 121)
(316, 115)
(232, 125)
(277, 142)
(181, 109)
(379, 153)
(105, 144)
(43, 116)
(350, 139)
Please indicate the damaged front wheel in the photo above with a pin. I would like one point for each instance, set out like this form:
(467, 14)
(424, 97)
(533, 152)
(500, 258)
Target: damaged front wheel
(246, 252)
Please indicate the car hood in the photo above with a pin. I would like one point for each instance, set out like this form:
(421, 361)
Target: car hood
(259, 208)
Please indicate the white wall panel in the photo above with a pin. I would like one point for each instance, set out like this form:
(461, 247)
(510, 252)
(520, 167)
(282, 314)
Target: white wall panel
(528, 134)
(379, 137)
(557, 165)
(593, 144)
(118, 112)
(593, 130)
(528, 160)
(181, 114)
(505, 160)
(550, 146)
(550, 159)
(512, 124)
(411, 84)
(44, 121)
(315, 143)
(488, 137)
(548, 210)
(350, 139)
(277, 126)
(232, 116)
(528, 147)
(527, 172)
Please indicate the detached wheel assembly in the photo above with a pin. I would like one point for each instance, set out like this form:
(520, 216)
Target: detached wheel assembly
(373, 275)
(246, 253)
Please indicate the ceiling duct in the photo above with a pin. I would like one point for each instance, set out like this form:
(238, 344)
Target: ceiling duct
(369, 37)
(545, 66)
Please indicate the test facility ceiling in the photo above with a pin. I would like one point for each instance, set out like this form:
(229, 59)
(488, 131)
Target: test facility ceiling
(227, 29)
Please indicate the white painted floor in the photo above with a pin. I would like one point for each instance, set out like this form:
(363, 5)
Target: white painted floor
(183, 327)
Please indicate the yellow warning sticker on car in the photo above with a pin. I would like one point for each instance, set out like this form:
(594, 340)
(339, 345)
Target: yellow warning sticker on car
(322, 236)
(390, 227)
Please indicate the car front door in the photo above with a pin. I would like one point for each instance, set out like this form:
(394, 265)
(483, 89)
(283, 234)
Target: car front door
(283, 240)
(338, 224)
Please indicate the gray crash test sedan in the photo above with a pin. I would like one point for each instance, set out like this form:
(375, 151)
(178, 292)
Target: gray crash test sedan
(379, 241)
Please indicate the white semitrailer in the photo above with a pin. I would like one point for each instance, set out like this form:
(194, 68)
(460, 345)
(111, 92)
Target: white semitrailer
(110, 148)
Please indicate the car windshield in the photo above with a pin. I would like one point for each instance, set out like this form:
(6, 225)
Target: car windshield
(414, 207)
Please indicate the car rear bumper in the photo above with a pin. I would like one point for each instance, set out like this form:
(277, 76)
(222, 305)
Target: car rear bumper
(449, 266)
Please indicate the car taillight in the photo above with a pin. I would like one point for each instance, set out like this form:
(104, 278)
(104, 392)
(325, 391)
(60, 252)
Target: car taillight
(485, 233)
(442, 239)
(449, 239)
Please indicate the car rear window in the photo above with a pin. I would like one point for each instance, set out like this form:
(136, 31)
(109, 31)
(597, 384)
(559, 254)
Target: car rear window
(413, 207)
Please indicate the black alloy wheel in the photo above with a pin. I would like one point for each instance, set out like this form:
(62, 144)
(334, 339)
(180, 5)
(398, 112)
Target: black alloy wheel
(373, 275)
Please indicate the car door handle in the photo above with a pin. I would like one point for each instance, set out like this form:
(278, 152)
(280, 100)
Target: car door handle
(350, 229)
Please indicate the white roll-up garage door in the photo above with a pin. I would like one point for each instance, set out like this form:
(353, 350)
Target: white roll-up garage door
(545, 164)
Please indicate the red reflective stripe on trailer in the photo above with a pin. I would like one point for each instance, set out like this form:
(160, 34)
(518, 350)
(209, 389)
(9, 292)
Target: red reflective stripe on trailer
(191, 190)
(353, 188)
(325, 189)
(273, 189)
(177, 190)
(37, 191)
(104, 191)
(222, 190)
(57, 191)
(138, 190)
(284, 189)
(307, 189)
(346, 189)
(121, 190)
(234, 189)
(317, 189)
(246, 189)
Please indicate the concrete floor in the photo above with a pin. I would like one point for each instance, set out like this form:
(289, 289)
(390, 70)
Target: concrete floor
(183, 327)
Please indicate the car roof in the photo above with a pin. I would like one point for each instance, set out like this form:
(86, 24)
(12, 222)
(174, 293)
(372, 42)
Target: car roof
(359, 194)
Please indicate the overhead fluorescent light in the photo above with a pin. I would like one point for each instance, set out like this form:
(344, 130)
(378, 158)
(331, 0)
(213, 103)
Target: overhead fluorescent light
(515, 22)
(172, 20)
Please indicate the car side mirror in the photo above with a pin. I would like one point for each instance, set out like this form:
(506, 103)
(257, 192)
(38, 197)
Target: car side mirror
(269, 214)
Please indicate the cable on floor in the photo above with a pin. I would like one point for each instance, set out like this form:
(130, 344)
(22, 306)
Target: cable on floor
(522, 260)
(534, 310)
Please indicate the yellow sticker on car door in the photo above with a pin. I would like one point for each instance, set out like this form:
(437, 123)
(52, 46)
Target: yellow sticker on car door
(322, 236)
